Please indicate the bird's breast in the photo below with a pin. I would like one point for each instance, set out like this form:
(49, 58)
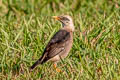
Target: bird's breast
(67, 47)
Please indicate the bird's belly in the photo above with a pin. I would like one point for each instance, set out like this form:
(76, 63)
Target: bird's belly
(67, 49)
(55, 58)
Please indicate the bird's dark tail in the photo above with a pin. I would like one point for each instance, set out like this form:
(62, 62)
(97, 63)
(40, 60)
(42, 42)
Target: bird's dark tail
(40, 61)
(35, 64)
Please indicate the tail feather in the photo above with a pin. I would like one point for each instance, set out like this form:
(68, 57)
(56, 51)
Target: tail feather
(35, 64)
(40, 61)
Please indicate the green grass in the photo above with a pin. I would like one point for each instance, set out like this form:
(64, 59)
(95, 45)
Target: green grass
(26, 27)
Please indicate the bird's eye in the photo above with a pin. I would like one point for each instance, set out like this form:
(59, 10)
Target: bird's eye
(67, 22)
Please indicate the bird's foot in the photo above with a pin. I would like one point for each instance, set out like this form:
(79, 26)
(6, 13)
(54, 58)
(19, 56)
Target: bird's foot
(58, 70)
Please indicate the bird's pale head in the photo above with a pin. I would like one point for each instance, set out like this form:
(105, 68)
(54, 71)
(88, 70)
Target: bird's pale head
(66, 21)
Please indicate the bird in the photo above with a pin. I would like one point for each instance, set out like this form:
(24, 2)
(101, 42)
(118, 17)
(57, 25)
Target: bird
(60, 44)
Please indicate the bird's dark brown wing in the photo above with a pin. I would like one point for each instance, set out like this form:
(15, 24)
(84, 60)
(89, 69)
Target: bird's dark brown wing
(56, 44)
(54, 47)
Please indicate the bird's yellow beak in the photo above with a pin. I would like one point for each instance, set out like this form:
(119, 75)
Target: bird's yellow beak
(56, 17)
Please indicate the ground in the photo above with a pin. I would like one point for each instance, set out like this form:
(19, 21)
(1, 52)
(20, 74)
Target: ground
(26, 26)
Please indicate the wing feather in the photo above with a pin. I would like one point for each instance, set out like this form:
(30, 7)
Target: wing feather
(56, 44)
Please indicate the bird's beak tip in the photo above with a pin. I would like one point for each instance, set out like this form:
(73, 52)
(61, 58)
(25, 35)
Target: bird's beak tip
(56, 17)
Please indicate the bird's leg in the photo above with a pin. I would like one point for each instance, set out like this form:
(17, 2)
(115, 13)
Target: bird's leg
(57, 69)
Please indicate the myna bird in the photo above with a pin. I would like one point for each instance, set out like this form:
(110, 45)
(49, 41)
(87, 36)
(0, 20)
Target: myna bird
(60, 44)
